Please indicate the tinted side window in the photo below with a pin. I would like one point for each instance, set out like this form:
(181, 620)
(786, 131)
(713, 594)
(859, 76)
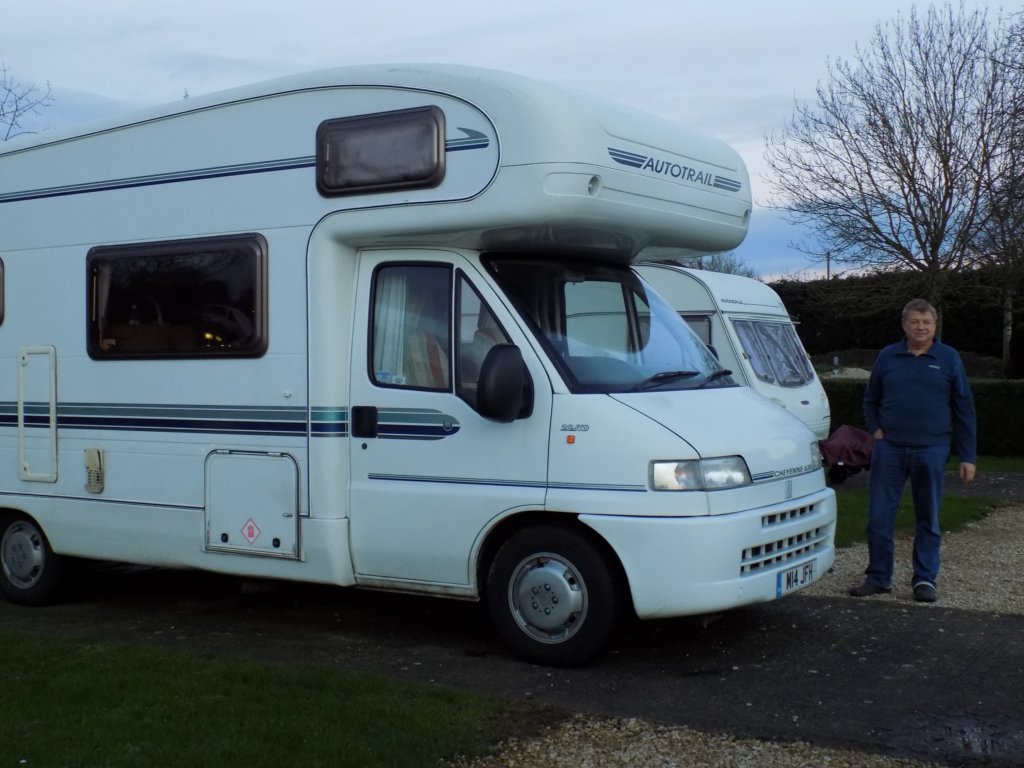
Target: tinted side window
(186, 298)
(380, 152)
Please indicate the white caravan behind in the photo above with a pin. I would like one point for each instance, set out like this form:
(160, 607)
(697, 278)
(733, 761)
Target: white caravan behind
(746, 324)
(377, 327)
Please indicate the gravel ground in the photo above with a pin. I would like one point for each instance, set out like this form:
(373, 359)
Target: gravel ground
(986, 553)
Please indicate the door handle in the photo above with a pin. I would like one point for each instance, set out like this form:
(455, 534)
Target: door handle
(364, 421)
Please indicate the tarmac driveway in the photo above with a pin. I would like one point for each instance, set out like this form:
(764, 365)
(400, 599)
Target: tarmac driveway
(897, 678)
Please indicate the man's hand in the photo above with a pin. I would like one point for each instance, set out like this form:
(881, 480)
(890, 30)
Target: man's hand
(967, 472)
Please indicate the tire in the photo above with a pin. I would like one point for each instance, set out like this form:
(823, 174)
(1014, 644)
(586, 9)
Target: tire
(29, 569)
(554, 596)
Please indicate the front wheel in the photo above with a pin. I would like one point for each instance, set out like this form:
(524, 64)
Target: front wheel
(30, 568)
(554, 596)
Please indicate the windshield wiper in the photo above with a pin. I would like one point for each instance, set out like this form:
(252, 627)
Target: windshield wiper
(714, 375)
(663, 378)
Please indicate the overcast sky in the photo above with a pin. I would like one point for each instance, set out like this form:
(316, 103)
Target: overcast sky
(732, 68)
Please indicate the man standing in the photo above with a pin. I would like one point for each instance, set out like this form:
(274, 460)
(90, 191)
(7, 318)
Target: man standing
(916, 401)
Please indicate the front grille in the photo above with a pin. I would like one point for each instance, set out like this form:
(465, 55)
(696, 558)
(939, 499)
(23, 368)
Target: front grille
(774, 552)
(777, 518)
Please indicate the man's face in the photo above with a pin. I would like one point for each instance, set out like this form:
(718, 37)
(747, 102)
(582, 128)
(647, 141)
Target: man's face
(920, 329)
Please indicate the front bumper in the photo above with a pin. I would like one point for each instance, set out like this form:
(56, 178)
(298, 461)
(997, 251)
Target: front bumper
(698, 565)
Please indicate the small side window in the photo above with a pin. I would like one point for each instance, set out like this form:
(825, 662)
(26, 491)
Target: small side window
(186, 298)
(700, 325)
(380, 152)
(477, 332)
(3, 292)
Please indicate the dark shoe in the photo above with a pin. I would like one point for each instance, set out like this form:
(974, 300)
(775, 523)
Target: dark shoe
(925, 593)
(866, 588)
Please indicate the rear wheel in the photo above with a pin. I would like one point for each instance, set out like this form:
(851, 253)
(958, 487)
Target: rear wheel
(29, 568)
(554, 596)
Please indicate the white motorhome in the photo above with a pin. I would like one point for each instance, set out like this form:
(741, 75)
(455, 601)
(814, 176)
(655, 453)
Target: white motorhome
(746, 324)
(377, 327)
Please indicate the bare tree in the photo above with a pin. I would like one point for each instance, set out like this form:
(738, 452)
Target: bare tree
(728, 263)
(1001, 241)
(17, 100)
(883, 169)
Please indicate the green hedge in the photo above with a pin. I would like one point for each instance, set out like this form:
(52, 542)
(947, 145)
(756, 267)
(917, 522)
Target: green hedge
(1000, 406)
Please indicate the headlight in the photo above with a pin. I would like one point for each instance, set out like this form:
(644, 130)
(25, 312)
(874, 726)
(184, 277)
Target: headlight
(816, 459)
(699, 475)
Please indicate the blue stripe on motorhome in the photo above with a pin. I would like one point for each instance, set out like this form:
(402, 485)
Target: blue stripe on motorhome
(200, 174)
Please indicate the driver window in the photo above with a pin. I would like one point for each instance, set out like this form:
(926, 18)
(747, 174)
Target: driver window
(411, 326)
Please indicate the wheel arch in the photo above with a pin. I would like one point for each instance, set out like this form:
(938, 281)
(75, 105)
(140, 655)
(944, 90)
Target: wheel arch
(27, 578)
(568, 522)
(8, 512)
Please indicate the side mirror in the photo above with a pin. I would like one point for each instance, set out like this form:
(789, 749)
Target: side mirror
(504, 389)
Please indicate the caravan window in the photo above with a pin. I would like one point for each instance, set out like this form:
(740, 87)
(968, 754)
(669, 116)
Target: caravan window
(380, 152)
(775, 352)
(186, 298)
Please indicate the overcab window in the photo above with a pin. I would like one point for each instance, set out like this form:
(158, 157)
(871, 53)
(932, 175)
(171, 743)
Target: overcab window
(380, 152)
(187, 298)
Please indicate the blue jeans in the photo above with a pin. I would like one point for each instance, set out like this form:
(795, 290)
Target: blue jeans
(891, 466)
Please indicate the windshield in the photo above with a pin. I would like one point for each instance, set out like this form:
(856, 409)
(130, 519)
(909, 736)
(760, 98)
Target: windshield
(775, 352)
(604, 329)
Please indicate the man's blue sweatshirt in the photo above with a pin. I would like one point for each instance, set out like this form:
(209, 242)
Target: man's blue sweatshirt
(922, 400)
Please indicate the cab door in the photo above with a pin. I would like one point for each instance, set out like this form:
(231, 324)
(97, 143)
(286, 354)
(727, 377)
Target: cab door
(428, 473)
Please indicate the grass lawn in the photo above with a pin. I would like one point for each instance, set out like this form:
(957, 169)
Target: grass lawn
(852, 514)
(95, 705)
(957, 511)
(996, 464)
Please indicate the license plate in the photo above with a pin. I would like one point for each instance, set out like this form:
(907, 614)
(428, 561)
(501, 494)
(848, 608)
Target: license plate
(797, 577)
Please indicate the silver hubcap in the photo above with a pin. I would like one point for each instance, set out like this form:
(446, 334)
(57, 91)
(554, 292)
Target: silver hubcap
(548, 598)
(22, 555)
